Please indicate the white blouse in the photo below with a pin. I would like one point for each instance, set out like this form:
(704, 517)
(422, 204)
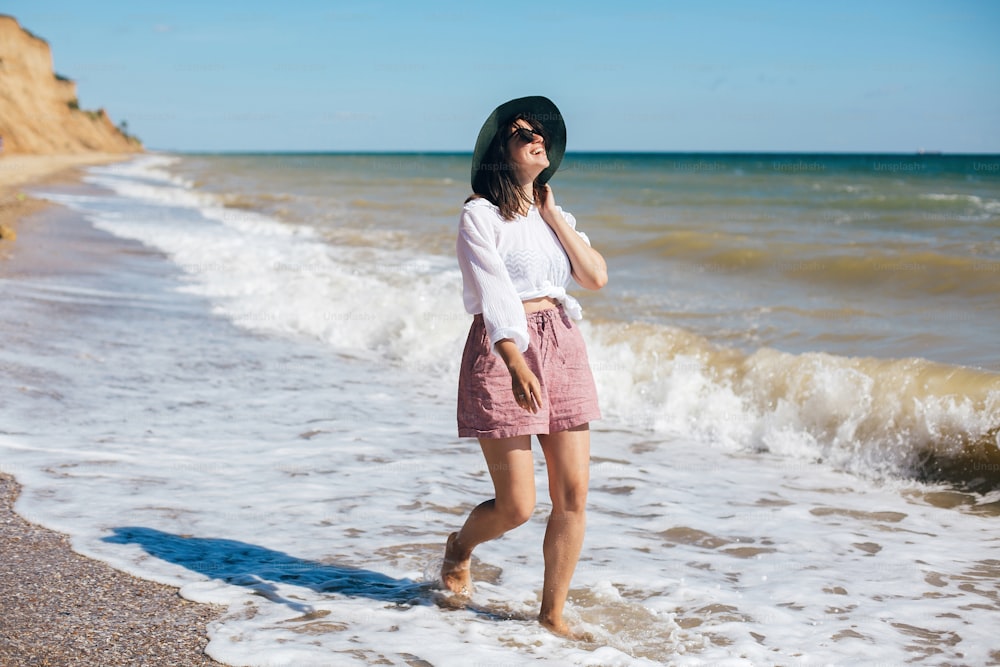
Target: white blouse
(505, 262)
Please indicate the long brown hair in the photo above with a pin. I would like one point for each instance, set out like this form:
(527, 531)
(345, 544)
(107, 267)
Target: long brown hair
(495, 178)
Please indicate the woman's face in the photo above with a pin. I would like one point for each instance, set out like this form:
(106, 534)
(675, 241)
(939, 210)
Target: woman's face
(526, 149)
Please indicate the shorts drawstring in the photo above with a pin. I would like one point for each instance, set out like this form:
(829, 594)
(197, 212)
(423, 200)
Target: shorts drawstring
(542, 321)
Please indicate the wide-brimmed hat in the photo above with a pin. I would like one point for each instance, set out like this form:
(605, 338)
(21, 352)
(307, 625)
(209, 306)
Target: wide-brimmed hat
(540, 109)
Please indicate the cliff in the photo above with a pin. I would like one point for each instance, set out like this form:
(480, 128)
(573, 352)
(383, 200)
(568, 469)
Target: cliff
(38, 110)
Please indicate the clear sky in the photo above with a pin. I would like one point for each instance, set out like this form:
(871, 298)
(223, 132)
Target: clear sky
(758, 75)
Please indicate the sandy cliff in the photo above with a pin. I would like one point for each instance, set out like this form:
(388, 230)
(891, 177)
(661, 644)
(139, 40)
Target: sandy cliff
(38, 110)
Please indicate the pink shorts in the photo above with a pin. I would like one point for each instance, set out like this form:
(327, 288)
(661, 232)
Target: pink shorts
(557, 356)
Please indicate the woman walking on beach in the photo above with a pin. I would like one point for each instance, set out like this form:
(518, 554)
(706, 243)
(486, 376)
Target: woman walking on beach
(524, 369)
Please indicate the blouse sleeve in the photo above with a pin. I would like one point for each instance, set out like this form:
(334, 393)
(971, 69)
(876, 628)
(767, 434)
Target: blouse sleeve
(486, 283)
(571, 220)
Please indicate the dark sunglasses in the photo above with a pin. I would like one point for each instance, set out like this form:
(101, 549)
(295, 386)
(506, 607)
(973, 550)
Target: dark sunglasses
(526, 135)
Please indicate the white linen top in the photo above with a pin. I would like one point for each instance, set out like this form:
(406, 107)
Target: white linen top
(505, 262)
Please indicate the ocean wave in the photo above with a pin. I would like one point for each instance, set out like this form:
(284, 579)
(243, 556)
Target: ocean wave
(973, 201)
(878, 418)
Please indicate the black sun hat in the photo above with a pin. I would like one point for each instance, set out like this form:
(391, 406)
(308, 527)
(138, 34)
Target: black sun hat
(536, 107)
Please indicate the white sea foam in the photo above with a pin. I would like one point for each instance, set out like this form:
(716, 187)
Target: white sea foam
(292, 456)
(989, 205)
(269, 276)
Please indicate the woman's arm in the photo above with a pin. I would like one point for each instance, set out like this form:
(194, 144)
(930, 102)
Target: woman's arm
(486, 285)
(589, 268)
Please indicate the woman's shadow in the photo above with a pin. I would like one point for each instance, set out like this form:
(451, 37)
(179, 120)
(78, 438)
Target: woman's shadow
(262, 569)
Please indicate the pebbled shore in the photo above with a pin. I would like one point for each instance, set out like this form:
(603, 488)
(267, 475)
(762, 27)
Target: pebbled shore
(60, 608)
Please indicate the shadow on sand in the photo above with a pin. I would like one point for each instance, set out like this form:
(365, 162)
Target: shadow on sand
(262, 569)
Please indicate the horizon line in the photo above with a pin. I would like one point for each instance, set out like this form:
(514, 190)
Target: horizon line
(917, 153)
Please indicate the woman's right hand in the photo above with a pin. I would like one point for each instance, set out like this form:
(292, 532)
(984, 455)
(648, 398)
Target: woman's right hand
(526, 387)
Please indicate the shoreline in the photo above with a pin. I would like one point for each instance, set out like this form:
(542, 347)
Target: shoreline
(20, 171)
(63, 608)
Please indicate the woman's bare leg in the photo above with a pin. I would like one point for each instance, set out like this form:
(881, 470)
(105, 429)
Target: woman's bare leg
(512, 468)
(567, 458)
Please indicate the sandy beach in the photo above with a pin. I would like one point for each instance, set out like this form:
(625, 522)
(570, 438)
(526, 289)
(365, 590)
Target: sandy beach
(62, 608)
(17, 171)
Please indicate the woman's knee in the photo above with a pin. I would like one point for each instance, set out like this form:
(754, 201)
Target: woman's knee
(569, 497)
(516, 511)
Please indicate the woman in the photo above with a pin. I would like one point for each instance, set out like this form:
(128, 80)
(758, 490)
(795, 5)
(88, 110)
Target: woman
(524, 369)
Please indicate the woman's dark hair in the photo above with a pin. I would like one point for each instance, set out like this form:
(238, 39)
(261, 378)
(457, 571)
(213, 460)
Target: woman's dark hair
(495, 178)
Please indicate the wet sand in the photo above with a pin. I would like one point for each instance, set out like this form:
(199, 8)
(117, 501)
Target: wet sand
(19, 171)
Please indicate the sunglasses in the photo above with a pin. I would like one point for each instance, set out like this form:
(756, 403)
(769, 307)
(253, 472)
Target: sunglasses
(526, 135)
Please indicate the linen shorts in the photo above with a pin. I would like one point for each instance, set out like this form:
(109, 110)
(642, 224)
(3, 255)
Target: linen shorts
(556, 354)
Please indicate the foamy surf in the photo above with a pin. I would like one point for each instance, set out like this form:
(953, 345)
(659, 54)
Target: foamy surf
(876, 418)
(880, 418)
(746, 508)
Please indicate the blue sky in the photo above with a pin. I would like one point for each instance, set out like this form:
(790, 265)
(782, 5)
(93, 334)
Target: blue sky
(764, 75)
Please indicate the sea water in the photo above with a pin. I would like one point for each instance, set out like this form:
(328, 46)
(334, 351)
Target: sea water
(252, 397)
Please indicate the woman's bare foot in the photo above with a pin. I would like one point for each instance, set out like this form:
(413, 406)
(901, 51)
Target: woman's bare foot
(456, 572)
(560, 628)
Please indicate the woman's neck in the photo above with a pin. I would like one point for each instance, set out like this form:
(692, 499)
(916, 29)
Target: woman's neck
(528, 190)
